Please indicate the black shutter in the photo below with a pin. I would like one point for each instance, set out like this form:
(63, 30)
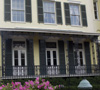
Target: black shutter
(84, 17)
(42, 48)
(8, 58)
(28, 11)
(40, 11)
(98, 55)
(58, 13)
(62, 57)
(71, 57)
(7, 10)
(67, 14)
(30, 57)
(87, 56)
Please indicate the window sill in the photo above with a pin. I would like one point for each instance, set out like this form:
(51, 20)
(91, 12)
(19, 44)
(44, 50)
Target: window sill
(50, 24)
(76, 26)
(18, 22)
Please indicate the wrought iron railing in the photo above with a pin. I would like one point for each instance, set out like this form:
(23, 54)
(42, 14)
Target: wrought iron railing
(49, 71)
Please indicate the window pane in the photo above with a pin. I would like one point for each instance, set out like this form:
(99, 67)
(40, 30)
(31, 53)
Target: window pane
(49, 18)
(49, 62)
(51, 45)
(16, 62)
(18, 4)
(75, 20)
(23, 62)
(17, 15)
(15, 54)
(55, 62)
(54, 54)
(49, 12)
(48, 7)
(74, 10)
(48, 54)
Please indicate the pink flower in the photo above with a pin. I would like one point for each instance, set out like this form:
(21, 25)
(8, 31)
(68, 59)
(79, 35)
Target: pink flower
(45, 87)
(47, 83)
(1, 88)
(37, 82)
(27, 83)
(43, 80)
(3, 85)
(55, 87)
(32, 83)
(37, 79)
(59, 86)
(17, 83)
(39, 86)
(50, 88)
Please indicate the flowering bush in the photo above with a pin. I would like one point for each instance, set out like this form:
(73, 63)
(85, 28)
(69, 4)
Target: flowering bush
(38, 84)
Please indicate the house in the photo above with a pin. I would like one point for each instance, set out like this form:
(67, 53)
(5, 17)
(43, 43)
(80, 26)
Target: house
(49, 38)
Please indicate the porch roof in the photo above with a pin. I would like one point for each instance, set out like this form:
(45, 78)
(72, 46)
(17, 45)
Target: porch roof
(56, 31)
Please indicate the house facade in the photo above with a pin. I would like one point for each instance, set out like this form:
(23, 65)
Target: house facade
(49, 38)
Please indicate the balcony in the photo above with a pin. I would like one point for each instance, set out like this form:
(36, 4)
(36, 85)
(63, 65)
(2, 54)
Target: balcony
(49, 71)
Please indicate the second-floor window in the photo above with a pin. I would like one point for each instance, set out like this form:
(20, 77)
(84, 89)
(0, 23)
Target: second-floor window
(49, 12)
(96, 9)
(18, 10)
(75, 14)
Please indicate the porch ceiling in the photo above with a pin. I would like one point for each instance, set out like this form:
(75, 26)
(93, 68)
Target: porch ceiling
(56, 31)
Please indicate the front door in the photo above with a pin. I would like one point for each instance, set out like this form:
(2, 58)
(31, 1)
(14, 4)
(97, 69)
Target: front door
(52, 64)
(19, 61)
(79, 60)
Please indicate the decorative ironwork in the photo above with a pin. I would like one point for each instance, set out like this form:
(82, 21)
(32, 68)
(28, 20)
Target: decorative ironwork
(51, 72)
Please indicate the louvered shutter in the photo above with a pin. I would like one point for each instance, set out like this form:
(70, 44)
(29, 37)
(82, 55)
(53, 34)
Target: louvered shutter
(71, 57)
(87, 56)
(42, 50)
(67, 14)
(62, 57)
(28, 11)
(30, 57)
(7, 10)
(40, 11)
(8, 58)
(84, 17)
(58, 13)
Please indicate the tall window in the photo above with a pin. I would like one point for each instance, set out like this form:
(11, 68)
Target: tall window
(18, 10)
(96, 9)
(74, 14)
(49, 12)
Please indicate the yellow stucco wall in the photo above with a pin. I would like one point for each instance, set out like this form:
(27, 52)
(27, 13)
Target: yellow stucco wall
(35, 24)
(97, 22)
(36, 51)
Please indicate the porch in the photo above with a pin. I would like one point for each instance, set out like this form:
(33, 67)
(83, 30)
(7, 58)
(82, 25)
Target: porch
(51, 55)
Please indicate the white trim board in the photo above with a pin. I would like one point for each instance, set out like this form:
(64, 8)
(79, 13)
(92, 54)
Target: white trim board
(72, 1)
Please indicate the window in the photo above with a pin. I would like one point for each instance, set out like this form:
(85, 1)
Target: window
(18, 10)
(96, 10)
(74, 14)
(49, 12)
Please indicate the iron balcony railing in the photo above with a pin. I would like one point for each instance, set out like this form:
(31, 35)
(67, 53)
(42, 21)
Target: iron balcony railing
(48, 71)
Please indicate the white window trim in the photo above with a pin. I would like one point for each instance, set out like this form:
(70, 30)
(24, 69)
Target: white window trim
(53, 49)
(80, 16)
(20, 10)
(84, 63)
(54, 12)
(96, 10)
(13, 49)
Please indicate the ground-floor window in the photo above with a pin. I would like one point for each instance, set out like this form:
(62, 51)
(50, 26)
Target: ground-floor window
(19, 58)
(79, 59)
(52, 58)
